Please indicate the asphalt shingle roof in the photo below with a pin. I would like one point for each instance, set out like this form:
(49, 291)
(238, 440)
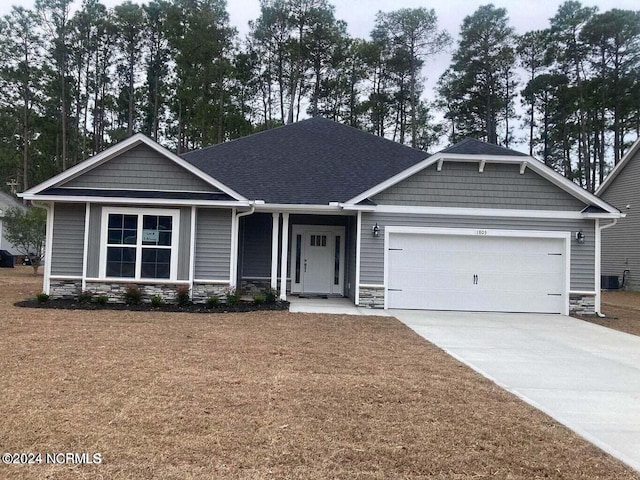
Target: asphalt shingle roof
(471, 146)
(314, 161)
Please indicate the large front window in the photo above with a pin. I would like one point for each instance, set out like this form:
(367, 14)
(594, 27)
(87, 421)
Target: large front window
(140, 245)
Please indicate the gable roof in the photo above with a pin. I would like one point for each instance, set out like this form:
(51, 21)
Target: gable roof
(461, 154)
(314, 161)
(619, 167)
(472, 146)
(114, 151)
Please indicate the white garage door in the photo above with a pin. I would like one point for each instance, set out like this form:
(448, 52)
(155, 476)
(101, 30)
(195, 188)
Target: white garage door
(476, 273)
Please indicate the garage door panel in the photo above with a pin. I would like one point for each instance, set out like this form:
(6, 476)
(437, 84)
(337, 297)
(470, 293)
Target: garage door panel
(456, 272)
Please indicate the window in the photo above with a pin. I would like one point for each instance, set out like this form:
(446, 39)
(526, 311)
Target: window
(140, 244)
(318, 240)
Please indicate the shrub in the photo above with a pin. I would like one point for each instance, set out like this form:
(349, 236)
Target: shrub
(270, 295)
(42, 297)
(85, 296)
(213, 301)
(102, 299)
(259, 298)
(157, 300)
(182, 295)
(132, 295)
(232, 297)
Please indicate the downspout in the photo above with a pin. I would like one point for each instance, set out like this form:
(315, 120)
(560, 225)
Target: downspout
(235, 239)
(598, 259)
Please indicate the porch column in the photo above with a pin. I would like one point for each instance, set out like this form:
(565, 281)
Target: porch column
(274, 250)
(284, 257)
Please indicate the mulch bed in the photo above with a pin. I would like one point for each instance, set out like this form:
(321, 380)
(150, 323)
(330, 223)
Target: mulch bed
(64, 304)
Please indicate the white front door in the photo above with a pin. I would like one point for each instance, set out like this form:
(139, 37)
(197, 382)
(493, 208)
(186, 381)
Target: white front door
(317, 253)
(317, 259)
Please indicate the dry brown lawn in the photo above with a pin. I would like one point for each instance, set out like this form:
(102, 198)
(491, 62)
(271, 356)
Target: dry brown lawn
(261, 395)
(622, 310)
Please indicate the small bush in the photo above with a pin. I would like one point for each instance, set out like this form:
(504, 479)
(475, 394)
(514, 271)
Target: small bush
(232, 297)
(102, 299)
(270, 296)
(259, 298)
(42, 297)
(213, 301)
(85, 297)
(132, 295)
(157, 301)
(182, 295)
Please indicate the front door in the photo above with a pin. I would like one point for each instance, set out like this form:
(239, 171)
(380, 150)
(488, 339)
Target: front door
(317, 259)
(317, 252)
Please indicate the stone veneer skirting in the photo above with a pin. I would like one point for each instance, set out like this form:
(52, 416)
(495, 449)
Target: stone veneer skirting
(372, 297)
(114, 291)
(582, 304)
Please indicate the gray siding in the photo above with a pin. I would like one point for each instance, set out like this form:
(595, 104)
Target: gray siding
(620, 246)
(93, 250)
(462, 185)
(68, 239)
(372, 249)
(184, 243)
(141, 168)
(213, 244)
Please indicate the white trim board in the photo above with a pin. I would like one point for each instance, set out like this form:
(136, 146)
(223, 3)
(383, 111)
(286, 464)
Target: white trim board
(121, 147)
(482, 212)
(135, 201)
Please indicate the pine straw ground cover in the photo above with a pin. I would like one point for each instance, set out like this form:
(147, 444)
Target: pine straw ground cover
(260, 395)
(622, 309)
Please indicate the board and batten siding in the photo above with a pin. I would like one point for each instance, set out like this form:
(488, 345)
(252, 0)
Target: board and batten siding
(213, 244)
(184, 243)
(140, 167)
(67, 247)
(460, 184)
(372, 249)
(620, 247)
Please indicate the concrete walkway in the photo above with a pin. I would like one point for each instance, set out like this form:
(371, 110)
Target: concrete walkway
(332, 305)
(583, 375)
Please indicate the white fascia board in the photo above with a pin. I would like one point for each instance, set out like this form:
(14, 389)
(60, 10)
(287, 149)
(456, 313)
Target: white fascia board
(483, 212)
(292, 207)
(122, 147)
(136, 201)
(537, 166)
(619, 167)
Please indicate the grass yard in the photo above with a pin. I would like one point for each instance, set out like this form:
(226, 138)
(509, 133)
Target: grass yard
(260, 395)
(622, 309)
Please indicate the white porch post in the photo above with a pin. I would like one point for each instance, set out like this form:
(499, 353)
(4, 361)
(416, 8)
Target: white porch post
(597, 272)
(274, 250)
(284, 257)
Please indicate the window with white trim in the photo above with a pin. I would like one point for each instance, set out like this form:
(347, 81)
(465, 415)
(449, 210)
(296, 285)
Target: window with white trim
(139, 243)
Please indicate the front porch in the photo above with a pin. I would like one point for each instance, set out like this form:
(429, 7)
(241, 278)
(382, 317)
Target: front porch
(300, 254)
(331, 305)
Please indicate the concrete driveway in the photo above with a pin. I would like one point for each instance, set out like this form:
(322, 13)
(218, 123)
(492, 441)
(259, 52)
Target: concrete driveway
(583, 375)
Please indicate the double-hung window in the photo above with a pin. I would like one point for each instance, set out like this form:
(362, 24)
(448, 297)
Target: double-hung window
(139, 244)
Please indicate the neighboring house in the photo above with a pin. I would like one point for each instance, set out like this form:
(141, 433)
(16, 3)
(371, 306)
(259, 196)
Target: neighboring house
(319, 208)
(620, 243)
(6, 202)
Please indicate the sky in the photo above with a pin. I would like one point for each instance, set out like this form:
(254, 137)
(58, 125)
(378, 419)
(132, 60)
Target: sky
(524, 16)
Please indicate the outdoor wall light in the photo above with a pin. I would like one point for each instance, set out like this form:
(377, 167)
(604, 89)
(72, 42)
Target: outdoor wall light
(376, 230)
(580, 237)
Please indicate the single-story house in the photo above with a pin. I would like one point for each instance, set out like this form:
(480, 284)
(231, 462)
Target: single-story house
(320, 208)
(620, 246)
(6, 202)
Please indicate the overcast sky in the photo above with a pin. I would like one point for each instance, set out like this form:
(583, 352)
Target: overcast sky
(524, 15)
